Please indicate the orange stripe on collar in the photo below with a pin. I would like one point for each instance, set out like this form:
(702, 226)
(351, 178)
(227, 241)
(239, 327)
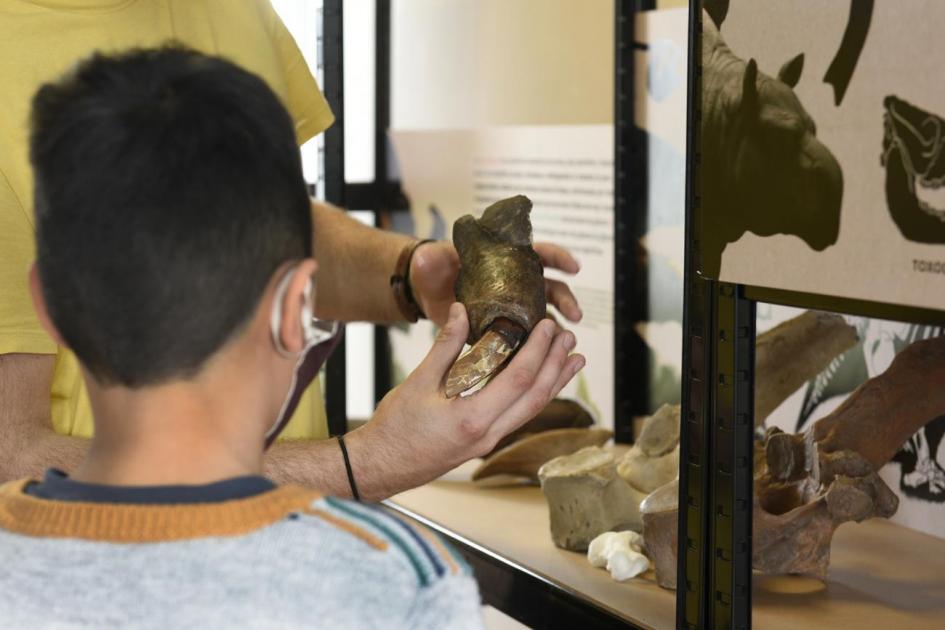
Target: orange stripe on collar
(127, 523)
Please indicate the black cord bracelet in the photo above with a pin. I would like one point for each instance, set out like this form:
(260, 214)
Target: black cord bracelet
(344, 453)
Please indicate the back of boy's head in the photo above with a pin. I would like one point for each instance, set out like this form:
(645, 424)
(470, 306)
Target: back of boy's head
(168, 189)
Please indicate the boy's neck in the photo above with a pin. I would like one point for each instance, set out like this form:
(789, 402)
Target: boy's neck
(185, 433)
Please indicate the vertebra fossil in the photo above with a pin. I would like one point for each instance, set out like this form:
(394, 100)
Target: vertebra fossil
(586, 497)
(808, 484)
(501, 283)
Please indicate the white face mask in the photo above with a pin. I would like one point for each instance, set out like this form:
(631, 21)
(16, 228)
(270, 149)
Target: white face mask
(321, 337)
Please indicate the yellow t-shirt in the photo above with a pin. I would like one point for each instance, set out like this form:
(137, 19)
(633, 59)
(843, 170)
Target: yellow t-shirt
(38, 42)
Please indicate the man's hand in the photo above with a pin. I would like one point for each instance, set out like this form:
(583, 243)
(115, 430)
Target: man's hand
(417, 434)
(434, 268)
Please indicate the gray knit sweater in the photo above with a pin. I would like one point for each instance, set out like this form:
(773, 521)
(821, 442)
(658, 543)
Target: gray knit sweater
(287, 558)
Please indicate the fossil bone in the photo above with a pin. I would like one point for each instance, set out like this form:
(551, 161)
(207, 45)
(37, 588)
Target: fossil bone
(560, 413)
(620, 553)
(660, 524)
(654, 459)
(806, 485)
(794, 352)
(809, 484)
(501, 283)
(586, 497)
(524, 457)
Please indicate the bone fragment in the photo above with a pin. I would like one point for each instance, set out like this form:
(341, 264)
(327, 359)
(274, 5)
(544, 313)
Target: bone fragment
(560, 413)
(660, 511)
(620, 553)
(660, 432)
(794, 352)
(654, 459)
(586, 497)
(525, 457)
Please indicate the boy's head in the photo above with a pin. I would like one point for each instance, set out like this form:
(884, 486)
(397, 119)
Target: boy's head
(169, 200)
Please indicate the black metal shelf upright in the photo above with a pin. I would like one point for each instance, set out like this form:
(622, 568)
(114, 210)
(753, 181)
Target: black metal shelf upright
(631, 199)
(333, 84)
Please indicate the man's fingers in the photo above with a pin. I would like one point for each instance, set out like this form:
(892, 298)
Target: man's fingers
(560, 296)
(574, 364)
(517, 377)
(555, 373)
(557, 257)
(449, 343)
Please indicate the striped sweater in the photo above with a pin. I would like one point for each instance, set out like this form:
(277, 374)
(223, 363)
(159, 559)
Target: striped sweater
(286, 558)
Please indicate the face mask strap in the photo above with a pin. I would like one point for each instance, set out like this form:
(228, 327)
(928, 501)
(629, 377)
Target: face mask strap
(275, 319)
(309, 360)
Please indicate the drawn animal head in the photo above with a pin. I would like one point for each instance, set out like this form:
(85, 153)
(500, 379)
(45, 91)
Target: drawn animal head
(785, 180)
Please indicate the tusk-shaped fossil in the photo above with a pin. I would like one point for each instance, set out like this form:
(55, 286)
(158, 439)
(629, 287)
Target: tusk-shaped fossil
(794, 352)
(485, 357)
(525, 457)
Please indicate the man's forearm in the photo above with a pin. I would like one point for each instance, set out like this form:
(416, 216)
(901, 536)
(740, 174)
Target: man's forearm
(355, 264)
(45, 449)
(315, 464)
(28, 443)
(319, 464)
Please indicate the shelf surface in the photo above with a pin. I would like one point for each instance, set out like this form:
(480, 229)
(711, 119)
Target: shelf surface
(512, 522)
(881, 575)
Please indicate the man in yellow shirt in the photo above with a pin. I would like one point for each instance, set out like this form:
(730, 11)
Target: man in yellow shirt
(45, 418)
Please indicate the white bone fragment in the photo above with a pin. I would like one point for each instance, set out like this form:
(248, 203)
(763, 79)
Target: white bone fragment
(620, 553)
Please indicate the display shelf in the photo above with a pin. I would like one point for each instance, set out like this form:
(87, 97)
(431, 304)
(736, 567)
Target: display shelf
(510, 526)
(882, 575)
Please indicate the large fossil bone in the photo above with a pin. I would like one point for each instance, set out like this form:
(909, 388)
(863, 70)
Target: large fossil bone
(501, 283)
(660, 511)
(586, 497)
(794, 352)
(806, 485)
(524, 457)
(560, 413)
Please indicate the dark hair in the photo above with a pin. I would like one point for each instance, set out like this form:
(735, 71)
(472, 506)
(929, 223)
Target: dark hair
(169, 189)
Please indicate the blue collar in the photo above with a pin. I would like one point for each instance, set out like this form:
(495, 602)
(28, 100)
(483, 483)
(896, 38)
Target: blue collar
(56, 485)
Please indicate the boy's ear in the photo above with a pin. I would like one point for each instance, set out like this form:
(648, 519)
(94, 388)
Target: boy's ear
(290, 324)
(39, 305)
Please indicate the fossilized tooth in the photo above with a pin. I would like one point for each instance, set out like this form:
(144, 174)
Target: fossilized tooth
(524, 457)
(501, 283)
(794, 352)
(560, 413)
(586, 497)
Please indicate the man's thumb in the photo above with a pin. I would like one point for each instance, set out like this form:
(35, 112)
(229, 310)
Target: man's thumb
(449, 343)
